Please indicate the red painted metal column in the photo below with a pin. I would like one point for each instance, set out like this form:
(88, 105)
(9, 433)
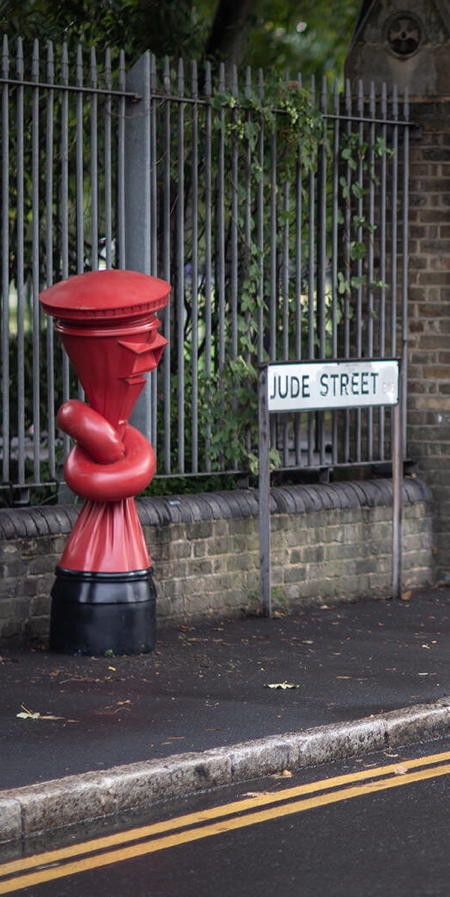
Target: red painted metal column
(104, 596)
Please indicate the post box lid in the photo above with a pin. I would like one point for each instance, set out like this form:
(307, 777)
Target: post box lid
(106, 294)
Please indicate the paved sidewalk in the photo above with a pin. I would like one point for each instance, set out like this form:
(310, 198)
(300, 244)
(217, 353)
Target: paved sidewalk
(212, 686)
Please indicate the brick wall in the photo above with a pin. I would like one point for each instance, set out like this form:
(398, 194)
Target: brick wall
(329, 542)
(429, 315)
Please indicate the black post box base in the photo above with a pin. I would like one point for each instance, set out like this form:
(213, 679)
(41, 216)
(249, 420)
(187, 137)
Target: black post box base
(102, 613)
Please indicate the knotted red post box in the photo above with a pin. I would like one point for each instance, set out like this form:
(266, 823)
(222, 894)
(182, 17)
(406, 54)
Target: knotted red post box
(104, 597)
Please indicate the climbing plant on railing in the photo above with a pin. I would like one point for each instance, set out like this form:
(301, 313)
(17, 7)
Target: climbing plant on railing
(279, 242)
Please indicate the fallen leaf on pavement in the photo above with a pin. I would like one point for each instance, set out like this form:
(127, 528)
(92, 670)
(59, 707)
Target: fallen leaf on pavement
(354, 678)
(29, 714)
(50, 716)
(256, 793)
(79, 679)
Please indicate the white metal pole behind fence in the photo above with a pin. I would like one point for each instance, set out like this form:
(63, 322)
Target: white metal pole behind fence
(137, 201)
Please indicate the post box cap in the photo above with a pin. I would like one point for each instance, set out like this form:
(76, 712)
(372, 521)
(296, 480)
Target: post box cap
(105, 295)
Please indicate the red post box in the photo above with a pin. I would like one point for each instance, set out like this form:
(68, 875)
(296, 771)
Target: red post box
(104, 596)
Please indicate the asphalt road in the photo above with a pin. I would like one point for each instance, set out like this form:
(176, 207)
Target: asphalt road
(375, 825)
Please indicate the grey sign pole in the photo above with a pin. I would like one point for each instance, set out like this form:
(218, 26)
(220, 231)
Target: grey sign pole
(397, 497)
(264, 494)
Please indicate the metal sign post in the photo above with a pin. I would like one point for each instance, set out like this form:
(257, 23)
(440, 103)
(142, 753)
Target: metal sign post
(264, 493)
(323, 385)
(397, 491)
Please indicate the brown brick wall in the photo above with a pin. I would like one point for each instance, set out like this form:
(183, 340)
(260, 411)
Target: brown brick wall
(328, 542)
(429, 315)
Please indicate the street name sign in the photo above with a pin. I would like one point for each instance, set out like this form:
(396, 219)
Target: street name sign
(311, 386)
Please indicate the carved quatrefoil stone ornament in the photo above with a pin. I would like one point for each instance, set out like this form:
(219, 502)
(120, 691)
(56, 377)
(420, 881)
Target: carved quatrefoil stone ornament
(404, 35)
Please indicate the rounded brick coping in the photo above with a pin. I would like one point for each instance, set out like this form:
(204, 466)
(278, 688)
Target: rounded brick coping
(240, 503)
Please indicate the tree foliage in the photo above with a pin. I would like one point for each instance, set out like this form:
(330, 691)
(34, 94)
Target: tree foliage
(305, 36)
(276, 34)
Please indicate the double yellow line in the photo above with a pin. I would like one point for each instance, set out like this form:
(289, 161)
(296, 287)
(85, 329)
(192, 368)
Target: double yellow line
(71, 860)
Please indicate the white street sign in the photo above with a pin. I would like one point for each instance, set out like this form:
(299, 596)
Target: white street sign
(309, 386)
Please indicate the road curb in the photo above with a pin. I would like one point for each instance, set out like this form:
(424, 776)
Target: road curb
(25, 812)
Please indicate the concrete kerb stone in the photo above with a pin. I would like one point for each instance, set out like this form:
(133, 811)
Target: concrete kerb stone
(35, 809)
(10, 819)
(424, 721)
